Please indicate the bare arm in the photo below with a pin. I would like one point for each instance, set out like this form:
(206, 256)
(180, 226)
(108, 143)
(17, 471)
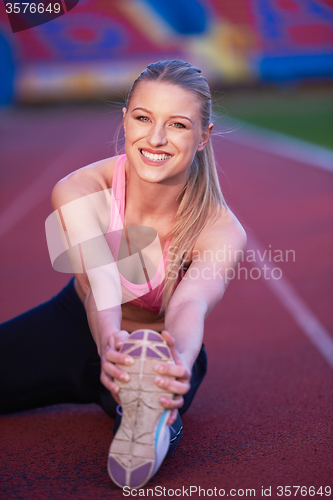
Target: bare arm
(196, 296)
(82, 204)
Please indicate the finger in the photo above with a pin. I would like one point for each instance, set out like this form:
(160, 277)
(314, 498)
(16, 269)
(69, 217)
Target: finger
(113, 371)
(171, 370)
(172, 346)
(172, 404)
(173, 386)
(168, 338)
(118, 357)
(110, 385)
(172, 417)
(120, 338)
(116, 340)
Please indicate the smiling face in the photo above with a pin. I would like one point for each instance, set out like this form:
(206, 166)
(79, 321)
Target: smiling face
(163, 132)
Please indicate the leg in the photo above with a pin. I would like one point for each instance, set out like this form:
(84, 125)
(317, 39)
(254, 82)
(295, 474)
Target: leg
(142, 437)
(198, 372)
(48, 356)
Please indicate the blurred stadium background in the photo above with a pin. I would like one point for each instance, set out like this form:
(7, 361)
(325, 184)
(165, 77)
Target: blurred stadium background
(275, 55)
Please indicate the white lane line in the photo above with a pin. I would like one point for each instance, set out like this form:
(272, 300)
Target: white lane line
(39, 188)
(298, 309)
(276, 143)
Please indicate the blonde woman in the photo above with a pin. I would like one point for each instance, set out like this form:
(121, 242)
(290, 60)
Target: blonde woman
(160, 206)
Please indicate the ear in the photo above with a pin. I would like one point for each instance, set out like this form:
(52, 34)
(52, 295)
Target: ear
(124, 110)
(205, 137)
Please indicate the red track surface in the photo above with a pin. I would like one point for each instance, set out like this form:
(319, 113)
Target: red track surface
(263, 416)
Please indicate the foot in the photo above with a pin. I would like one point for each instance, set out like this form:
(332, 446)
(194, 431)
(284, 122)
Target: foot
(142, 440)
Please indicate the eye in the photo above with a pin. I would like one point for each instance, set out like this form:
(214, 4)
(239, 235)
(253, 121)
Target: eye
(142, 118)
(179, 125)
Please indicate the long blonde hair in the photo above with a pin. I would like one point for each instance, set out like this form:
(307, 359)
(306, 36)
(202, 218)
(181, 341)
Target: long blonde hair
(201, 199)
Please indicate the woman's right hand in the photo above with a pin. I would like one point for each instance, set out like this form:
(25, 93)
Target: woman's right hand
(110, 355)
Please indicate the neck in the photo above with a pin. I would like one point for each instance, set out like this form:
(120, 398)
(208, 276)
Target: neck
(151, 201)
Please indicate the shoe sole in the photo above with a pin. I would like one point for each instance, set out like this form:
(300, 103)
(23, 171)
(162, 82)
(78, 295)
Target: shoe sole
(142, 440)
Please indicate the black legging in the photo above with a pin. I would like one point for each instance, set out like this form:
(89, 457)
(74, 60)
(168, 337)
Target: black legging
(48, 356)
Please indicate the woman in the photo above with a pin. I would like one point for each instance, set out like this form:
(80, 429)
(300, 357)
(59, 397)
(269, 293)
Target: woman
(166, 181)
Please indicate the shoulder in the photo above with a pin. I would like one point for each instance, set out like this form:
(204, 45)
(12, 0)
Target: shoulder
(217, 251)
(226, 233)
(84, 181)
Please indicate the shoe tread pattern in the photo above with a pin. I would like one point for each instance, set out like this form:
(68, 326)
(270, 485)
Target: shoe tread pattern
(132, 453)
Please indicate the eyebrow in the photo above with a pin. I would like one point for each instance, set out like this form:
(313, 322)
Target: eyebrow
(173, 116)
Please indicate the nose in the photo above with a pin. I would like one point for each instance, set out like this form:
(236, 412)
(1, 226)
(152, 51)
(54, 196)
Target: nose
(157, 135)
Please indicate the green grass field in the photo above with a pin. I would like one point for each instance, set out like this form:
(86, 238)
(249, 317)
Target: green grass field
(303, 113)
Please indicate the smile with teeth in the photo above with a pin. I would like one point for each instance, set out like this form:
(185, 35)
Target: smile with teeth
(154, 157)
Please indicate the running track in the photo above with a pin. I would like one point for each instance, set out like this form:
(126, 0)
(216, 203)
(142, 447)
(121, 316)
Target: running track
(263, 416)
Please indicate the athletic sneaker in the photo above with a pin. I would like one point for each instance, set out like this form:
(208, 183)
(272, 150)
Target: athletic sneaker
(142, 440)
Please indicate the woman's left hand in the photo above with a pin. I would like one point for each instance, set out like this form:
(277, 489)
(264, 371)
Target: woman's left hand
(179, 385)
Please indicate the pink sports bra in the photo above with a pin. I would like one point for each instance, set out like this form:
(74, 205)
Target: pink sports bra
(149, 294)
